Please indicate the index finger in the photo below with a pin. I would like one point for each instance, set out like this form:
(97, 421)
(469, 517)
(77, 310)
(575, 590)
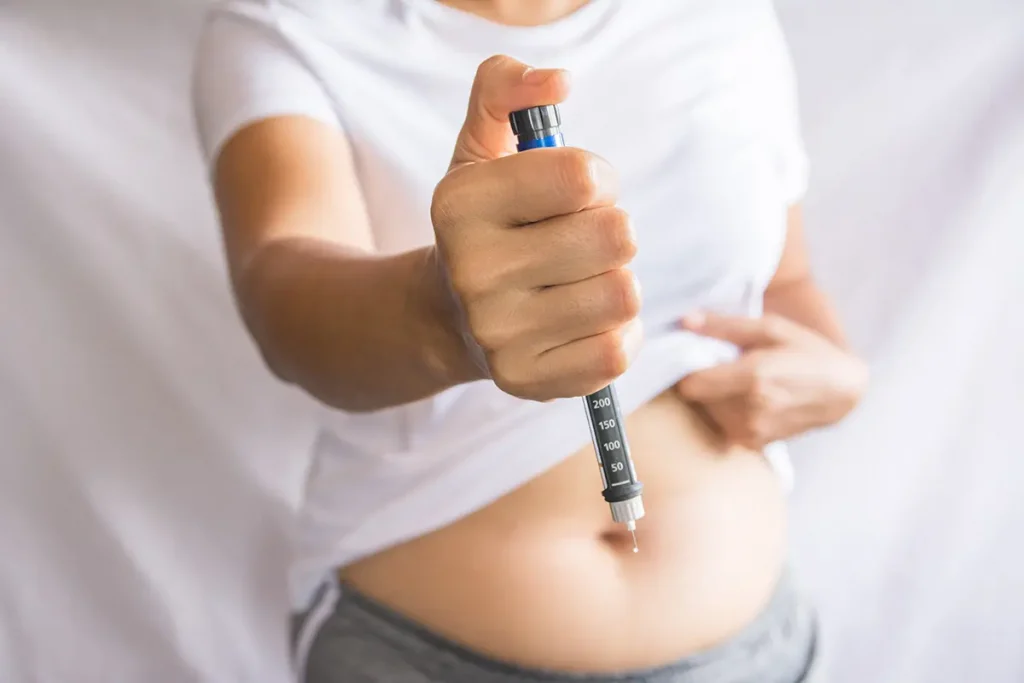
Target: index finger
(532, 186)
(716, 383)
(743, 331)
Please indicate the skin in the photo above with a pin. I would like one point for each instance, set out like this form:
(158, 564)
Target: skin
(794, 372)
(518, 12)
(516, 289)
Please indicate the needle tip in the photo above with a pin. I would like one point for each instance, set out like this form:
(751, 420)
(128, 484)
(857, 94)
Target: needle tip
(635, 548)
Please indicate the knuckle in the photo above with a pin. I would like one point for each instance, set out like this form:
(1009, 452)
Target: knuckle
(759, 428)
(491, 336)
(760, 387)
(443, 203)
(774, 325)
(760, 395)
(612, 360)
(511, 378)
(615, 229)
(622, 299)
(490, 64)
(749, 442)
(463, 279)
(578, 176)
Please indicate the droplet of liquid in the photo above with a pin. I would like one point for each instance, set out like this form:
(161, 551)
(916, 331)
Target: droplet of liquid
(635, 548)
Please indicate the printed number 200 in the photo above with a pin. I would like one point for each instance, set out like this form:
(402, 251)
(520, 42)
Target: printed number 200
(601, 403)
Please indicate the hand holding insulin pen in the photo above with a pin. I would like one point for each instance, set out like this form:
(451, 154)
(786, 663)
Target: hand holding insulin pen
(534, 128)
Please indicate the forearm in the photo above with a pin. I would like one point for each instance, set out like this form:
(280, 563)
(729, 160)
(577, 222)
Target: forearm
(358, 331)
(803, 302)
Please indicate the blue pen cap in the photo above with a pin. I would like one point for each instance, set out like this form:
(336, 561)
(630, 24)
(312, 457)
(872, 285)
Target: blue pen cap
(536, 124)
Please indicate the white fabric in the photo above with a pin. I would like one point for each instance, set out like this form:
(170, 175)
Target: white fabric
(908, 519)
(150, 468)
(709, 156)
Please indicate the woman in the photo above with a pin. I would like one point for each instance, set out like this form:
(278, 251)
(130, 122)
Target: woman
(450, 305)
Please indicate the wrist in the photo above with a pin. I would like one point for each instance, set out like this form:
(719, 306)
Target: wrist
(436, 318)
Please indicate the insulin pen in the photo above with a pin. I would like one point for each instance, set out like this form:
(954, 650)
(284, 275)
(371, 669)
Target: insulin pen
(534, 128)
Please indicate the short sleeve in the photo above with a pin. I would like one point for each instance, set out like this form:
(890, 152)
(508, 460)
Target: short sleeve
(780, 110)
(245, 71)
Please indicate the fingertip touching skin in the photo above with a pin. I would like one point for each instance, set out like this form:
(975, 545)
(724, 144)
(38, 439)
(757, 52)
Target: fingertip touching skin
(787, 380)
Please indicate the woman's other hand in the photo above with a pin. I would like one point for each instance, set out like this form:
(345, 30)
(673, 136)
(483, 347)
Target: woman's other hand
(787, 380)
(533, 248)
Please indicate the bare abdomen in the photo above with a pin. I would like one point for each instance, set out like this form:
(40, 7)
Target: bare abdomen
(543, 578)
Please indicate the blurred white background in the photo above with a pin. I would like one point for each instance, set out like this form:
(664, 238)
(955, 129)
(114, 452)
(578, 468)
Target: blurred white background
(909, 519)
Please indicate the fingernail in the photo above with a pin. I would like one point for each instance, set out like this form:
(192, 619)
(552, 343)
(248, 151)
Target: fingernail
(535, 76)
(633, 339)
(693, 320)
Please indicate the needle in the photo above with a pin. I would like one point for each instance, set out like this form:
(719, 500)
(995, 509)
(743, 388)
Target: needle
(631, 525)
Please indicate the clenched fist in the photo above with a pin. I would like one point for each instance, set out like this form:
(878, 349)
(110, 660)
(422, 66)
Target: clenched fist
(533, 247)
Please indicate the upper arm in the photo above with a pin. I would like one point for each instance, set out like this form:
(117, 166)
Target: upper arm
(283, 178)
(794, 264)
(280, 163)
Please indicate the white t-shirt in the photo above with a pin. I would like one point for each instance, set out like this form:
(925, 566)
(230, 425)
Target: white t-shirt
(693, 102)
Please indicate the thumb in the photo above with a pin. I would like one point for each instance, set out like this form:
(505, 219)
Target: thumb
(503, 85)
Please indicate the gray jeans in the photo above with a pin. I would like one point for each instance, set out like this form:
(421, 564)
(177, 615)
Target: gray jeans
(357, 640)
